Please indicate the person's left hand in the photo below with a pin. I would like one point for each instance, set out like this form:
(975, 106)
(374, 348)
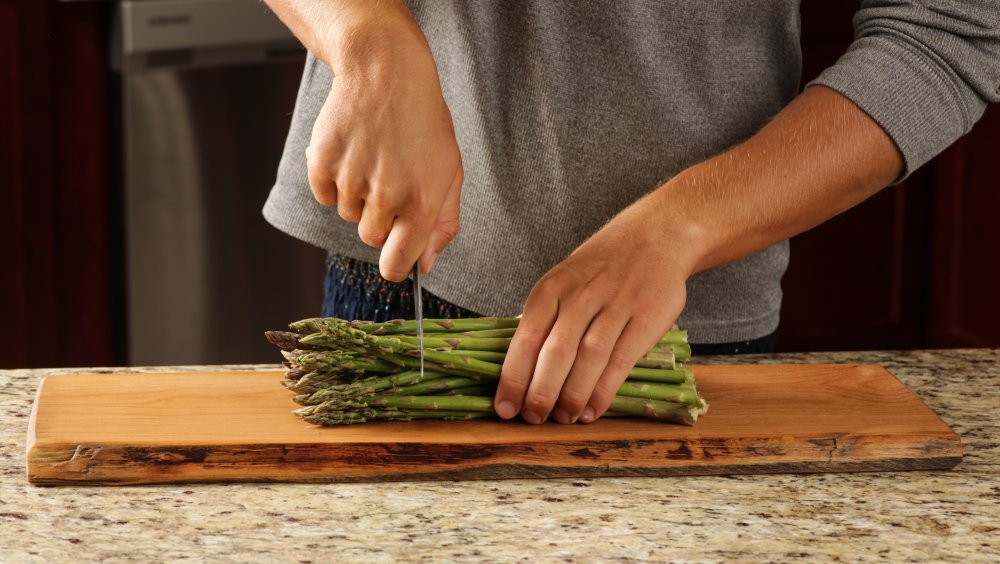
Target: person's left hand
(591, 317)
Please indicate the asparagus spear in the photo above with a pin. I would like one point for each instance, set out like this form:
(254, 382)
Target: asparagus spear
(458, 342)
(475, 324)
(401, 326)
(468, 407)
(350, 417)
(345, 335)
(683, 394)
(663, 410)
(351, 372)
(441, 385)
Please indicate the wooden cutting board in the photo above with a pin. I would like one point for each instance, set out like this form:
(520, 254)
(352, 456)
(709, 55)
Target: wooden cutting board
(112, 429)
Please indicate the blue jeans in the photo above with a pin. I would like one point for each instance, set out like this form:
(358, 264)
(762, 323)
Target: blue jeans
(354, 289)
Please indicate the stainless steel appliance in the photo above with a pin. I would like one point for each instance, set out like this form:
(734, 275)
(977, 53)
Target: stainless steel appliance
(209, 87)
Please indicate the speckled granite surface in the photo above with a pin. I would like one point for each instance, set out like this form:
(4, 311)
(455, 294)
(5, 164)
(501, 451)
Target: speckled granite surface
(936, 516)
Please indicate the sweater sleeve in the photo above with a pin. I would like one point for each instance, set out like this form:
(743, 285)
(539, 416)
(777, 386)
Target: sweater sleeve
(923, 70)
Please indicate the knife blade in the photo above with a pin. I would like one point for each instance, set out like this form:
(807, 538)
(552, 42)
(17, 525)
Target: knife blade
(418, 311)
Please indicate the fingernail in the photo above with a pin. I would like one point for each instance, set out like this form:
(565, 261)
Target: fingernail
(588, 415)
(506, 409)
(531, 417)
(562, 416)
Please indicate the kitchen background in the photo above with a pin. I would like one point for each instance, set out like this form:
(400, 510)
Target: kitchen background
(138, 140)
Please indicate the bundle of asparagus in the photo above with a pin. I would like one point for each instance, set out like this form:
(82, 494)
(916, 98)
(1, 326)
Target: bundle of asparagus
(347, 372)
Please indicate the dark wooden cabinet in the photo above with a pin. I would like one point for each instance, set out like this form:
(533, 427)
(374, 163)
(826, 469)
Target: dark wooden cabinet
(860, 280)
(964, 308)
(59, 224)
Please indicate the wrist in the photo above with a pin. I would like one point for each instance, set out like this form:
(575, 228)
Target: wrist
(682, 226)
(367, 38)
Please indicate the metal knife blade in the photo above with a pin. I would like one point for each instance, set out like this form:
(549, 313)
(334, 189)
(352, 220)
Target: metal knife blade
(418, 310)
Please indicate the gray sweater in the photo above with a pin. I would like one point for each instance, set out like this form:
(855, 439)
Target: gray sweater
(566, 112)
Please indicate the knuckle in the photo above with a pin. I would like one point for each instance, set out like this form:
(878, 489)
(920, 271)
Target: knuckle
(372, 237)
(325, 196)
(323, 187)
(513, 381)
(513, 378)
(380, 198)
(350, 186)
(348, 213)
(530, 339)
(317, 163)
(449, 229)
(312, 155)
(558, 348)
(573, 400)
(603, 392)
(593, 345)
(539, 401)
(548, 287)
(618, 364)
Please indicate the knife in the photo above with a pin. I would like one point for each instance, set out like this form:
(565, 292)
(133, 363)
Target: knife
(418, 310)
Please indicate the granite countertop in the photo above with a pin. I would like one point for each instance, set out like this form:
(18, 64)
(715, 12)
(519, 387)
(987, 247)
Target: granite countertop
(942, 516)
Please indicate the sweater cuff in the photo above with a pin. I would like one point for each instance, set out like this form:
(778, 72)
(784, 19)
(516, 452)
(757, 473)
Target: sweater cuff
(907, 92)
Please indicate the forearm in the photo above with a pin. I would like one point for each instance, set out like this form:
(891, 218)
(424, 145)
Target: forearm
(819, 157)
(347, 33)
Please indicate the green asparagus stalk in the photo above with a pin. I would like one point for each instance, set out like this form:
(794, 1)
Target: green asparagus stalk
(683, 394)
(485, 356)
(655, 409)
(482, 404)
(350, 417)
(459, 342)
(458, 362)
(351, 372)
(335, 361)
(664, 355)
(285, 340)
(392, 382)
(439, 385)
(401, 326)
(477, 390)
(505, 333)
(348, 336)
(678, 376)
(312, 395)
(475, 324)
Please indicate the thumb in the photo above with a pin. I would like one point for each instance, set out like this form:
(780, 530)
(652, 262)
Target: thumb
(447, 225)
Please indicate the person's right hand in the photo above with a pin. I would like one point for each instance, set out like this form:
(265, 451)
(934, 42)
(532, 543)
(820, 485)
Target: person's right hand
(383, 147)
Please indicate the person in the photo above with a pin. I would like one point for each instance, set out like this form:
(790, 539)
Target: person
(614, 166)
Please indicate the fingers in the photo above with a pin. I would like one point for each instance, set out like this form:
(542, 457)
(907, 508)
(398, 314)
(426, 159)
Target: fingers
(386, 155)
(634, 341)
(321, 182)
(377, 218)
(322, 155)
(592, 356)
(447, 225)
(403, 246)
(423, 230)
(540, 313)
(554, 363)
(350, 205)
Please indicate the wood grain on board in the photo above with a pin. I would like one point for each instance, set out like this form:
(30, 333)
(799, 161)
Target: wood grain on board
(116, 429)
